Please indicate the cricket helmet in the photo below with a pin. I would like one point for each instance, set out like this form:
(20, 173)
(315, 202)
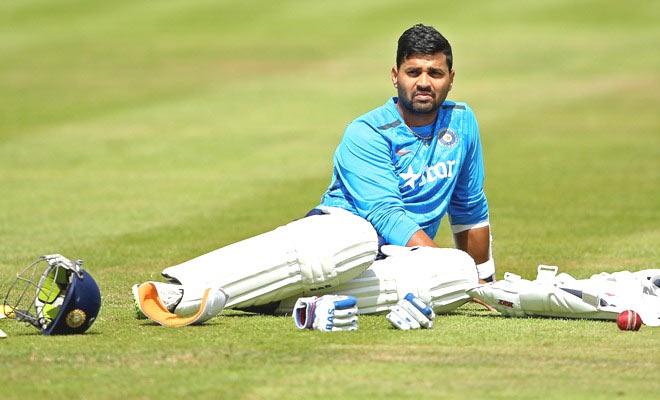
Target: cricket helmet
(61, 299)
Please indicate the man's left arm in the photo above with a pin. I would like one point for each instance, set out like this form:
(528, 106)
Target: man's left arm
(476, 242)
(468, 207)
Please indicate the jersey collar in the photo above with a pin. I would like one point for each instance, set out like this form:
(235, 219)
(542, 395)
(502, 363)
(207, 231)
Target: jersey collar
(390, 105)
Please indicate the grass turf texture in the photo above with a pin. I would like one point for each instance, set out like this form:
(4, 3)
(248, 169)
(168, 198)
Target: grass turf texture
(137, 135)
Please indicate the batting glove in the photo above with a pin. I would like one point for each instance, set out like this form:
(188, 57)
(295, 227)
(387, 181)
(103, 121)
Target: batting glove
(329, 313)
(411, 313)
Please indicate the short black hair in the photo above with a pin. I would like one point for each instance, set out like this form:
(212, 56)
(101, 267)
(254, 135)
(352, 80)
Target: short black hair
(422, 39)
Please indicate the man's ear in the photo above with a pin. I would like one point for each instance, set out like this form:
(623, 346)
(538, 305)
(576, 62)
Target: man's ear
(393, 75)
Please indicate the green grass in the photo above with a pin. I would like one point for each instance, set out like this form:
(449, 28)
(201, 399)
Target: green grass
(137, 135)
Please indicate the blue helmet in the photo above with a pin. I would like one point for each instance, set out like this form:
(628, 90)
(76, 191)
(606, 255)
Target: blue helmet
(63, 299)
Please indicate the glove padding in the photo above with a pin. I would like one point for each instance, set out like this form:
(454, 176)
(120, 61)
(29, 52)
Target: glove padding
(329, 313)
(411, 313)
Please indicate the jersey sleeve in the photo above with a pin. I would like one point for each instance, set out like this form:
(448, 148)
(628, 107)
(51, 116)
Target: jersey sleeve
(468, 205)
(364, 164)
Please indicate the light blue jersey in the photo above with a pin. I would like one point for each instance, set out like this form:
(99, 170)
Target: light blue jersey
(402, 180)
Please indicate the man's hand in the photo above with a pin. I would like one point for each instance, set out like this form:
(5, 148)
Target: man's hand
(329, 313)
(411, 313)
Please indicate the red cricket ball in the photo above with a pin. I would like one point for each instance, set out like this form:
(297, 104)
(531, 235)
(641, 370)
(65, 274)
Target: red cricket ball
(629, 321)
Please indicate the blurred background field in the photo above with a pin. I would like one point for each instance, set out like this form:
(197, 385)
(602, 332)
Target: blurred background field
(138, 134)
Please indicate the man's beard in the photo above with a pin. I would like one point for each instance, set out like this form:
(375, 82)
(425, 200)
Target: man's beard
(417, 108)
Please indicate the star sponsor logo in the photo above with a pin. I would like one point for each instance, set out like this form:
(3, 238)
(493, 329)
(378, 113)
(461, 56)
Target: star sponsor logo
(447, 137)
(429, 174)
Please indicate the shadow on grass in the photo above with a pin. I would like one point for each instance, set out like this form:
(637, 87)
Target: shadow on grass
(36, 334)
(152, 324)
(489, 314)
(213, 322)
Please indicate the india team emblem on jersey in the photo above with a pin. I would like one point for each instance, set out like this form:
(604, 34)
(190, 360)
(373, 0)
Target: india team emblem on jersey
(447, 137)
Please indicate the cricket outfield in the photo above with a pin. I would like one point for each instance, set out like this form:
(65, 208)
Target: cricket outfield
(137, 134)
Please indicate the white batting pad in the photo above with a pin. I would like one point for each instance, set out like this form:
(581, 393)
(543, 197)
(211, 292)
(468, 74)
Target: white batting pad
(312, 253)
(439, 277)
(603, 296)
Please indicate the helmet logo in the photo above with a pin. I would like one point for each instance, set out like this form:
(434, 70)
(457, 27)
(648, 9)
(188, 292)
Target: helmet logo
(76, 318)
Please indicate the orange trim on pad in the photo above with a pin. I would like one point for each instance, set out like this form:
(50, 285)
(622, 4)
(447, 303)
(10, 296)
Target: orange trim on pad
(155, 310)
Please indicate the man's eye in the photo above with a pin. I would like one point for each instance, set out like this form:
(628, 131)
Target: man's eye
(412, 73)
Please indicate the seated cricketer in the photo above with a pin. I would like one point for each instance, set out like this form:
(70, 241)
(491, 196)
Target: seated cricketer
(397, 171)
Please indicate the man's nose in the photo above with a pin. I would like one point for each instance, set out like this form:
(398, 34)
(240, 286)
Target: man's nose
(423, 81)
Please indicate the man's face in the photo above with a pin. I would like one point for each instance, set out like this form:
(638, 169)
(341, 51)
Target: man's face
(423, 82)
